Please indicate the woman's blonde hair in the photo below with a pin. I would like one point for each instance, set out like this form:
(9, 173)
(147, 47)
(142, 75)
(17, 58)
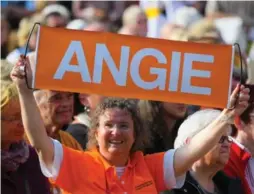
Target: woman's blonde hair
(174, 32)
(204, 31)
(9, 93)
(8, 89)
(6, 68)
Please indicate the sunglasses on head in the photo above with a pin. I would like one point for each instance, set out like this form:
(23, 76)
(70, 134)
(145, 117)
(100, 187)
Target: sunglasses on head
(225, 138)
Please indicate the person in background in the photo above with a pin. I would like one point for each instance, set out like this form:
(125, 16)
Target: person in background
(241, 161)
(206, 174)
(90, 101)
(8, 42)
(84, 105)
(66, 4)
(92, 14)
(204, 31)
(56, 109)
(56, 15)
(134, 22)
(20, 168)
(97, 27)
(185, 16)
(77, 24)
(164, 12)
(16, 10)
(79, 8)
(163, 120)
(167, 29)
(173, 32)
(81, 121)
(25, 27)
(110, 11)
(6, 68)
(114, 163)
(5, 29)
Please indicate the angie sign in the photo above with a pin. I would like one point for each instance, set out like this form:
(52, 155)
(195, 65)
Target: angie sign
(133, 67)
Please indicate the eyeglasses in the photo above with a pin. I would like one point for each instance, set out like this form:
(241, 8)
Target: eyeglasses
(225, 138)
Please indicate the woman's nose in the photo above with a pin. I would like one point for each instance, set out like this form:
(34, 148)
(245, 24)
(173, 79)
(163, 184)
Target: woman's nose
(226, 144)
(115, 130)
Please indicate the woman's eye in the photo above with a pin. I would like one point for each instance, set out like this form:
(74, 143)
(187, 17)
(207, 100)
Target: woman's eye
(124, 126)
(108, 125)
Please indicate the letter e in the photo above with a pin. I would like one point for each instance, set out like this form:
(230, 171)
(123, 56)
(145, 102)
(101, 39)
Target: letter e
(188, 72)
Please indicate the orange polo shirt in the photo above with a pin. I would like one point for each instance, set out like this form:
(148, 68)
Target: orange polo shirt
(88, 172)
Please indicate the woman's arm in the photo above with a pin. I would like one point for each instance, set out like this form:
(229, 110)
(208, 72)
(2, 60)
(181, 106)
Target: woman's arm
(32, 121)
(206, 139)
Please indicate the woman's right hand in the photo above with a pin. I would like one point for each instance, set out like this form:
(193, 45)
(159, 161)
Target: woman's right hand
(18, 74)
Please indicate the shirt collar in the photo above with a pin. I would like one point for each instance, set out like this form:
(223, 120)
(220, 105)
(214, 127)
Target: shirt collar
(240, 150)
(133, 159)
(239, 144)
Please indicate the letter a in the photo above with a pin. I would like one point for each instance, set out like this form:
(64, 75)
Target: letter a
(75, 47)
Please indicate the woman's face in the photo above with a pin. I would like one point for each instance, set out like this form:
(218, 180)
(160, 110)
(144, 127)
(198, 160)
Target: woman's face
(219, 155)
(56, 21)
(12, 129)
(115, 134)
(141, 25)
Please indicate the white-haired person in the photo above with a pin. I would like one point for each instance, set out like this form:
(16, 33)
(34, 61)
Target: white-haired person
(134, 22)
(206, 176)
(114, 162)
(56, 15)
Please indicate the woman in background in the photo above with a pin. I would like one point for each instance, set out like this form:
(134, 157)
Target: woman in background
(20, 169)
(206, 174)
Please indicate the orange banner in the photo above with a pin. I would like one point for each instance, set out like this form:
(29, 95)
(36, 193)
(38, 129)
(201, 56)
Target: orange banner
(133, 67)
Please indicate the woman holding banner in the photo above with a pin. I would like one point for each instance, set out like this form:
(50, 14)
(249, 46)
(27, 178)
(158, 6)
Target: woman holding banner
(114, 163)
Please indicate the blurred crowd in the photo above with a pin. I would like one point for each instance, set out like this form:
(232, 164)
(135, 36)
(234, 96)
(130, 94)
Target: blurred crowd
(228, 168)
